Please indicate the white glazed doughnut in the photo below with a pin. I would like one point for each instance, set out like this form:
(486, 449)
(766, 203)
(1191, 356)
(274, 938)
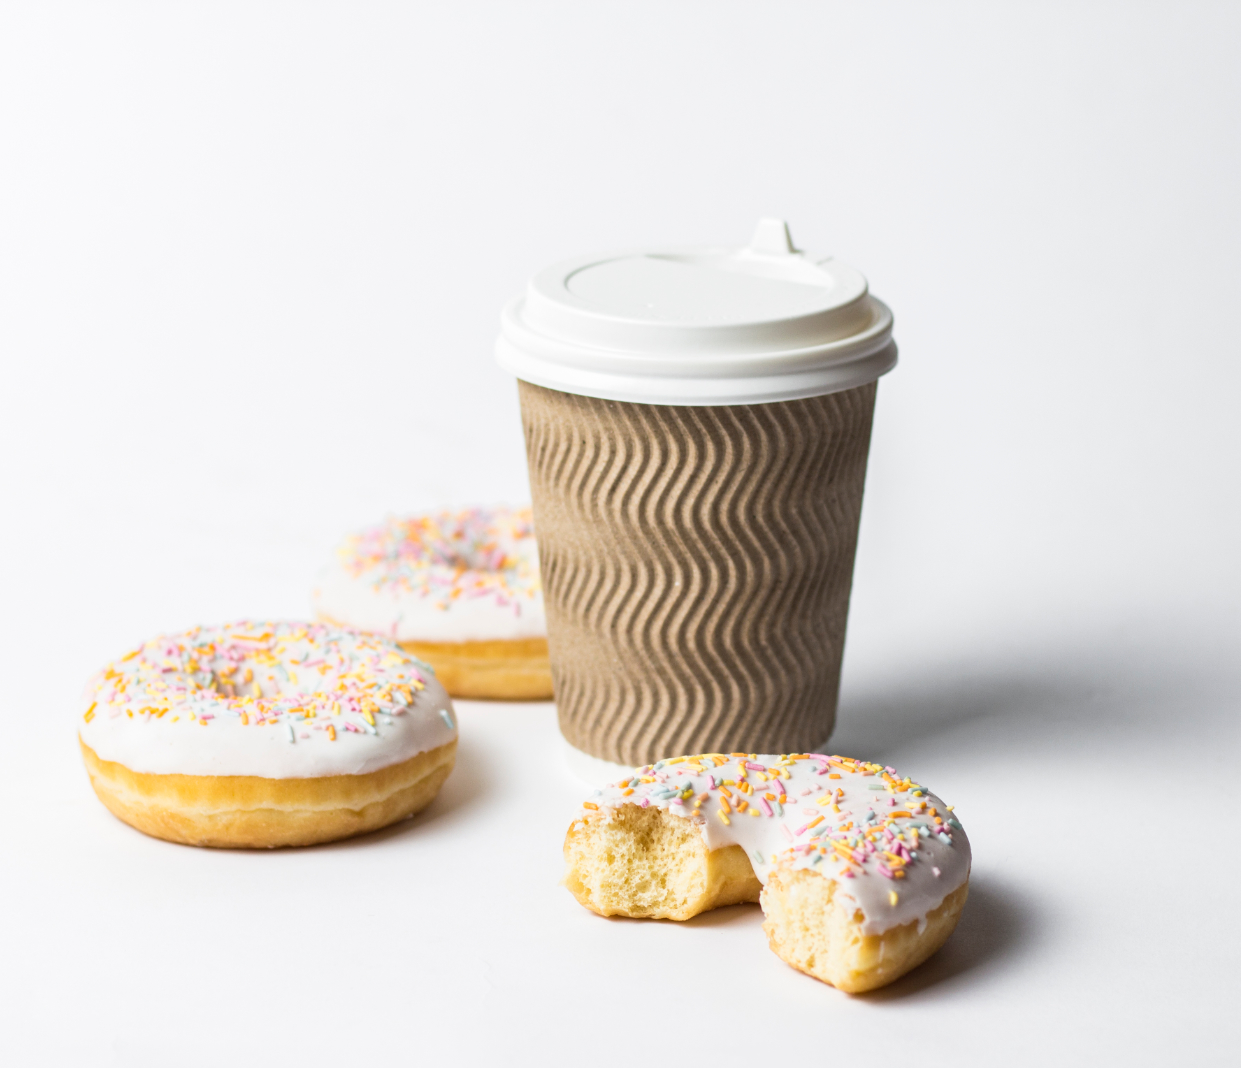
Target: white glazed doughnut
(861, 873)
(266, 734)
(459, 589)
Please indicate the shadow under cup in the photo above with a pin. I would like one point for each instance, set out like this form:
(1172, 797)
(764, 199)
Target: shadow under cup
(697, 564)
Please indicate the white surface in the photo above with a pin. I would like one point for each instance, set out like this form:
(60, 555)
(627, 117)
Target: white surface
(251, 267)
(590, 771)
(722, 325)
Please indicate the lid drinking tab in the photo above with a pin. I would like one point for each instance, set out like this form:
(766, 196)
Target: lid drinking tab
(772, 238)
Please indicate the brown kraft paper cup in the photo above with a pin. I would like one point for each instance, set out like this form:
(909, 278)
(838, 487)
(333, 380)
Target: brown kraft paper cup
(697, 563)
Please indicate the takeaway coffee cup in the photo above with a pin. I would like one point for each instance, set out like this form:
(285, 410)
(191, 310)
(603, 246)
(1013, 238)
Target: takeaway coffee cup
(697, 424)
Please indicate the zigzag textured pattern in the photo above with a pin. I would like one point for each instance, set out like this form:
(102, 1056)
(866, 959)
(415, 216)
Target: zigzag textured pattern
(697, 564)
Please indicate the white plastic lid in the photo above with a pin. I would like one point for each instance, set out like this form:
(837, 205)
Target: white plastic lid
(699, 326)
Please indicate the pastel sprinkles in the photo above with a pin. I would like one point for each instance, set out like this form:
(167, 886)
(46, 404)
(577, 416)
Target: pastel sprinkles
(447, 556)
(310, 680)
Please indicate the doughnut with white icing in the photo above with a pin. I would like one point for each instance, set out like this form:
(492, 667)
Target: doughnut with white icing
(861, 874)
(266, 734)
(458, 589)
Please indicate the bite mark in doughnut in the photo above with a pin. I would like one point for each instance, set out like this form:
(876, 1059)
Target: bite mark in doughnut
(861, 874)
(460, 590)
(266, 734)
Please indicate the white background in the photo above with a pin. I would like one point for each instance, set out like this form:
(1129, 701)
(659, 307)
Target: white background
(252, 258)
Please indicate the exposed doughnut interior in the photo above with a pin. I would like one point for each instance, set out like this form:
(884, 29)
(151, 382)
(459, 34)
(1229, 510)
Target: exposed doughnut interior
(818, 932)
(644, 862)
(250, 812)
(648, 863)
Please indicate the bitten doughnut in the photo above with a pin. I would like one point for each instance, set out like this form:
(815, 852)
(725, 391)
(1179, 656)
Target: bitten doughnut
(861, 874)
(460, 590)
(266, 734)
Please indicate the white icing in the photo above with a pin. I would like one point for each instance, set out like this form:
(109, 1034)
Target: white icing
(390, 581)
(179, 704)
(940, 860)
(410, 616)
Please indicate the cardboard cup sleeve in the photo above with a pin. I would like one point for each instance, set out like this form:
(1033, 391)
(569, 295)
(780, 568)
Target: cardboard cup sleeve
(697, 563)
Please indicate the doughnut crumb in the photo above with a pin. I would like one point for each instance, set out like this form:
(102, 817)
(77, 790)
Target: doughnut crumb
(644, 862)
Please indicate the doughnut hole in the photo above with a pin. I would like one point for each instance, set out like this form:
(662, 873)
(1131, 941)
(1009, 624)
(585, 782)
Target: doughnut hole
(458, 557)
(646, 862)
(249, 677)
(812, 924)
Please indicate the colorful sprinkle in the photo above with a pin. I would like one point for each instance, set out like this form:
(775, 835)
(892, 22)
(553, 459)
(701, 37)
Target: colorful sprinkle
(450, 556)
